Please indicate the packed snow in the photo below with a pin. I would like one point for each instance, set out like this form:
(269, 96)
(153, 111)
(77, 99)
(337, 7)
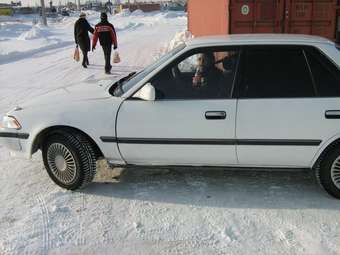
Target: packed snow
(150, 210)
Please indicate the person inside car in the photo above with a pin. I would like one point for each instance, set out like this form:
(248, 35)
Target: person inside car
(208, 77)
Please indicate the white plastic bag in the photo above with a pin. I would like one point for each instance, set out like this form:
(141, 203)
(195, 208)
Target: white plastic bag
(116, 57)
(76, 54)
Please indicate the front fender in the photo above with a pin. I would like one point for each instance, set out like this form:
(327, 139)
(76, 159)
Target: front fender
(95, 118)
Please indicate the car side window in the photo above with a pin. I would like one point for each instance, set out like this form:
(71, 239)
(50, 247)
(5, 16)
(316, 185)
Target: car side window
(274, 72)
(326, 74)
(200, 74)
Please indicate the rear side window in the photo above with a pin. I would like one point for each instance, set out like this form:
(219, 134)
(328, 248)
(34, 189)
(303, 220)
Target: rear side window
(326, 74)
(274, 72)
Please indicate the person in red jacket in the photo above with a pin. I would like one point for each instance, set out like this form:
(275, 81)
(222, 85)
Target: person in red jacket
(106, 33)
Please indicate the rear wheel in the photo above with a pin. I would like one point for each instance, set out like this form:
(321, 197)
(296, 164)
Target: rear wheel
(69, 159)
(328, 172)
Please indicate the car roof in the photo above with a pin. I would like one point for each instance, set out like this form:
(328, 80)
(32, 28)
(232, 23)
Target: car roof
(256, 39)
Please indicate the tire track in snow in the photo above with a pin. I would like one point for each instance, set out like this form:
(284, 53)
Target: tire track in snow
(45, 220)
(81, 239)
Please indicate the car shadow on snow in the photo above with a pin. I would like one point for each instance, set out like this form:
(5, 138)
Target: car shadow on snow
(216, 187)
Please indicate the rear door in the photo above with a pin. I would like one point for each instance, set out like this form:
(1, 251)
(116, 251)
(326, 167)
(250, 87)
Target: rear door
(285, 94)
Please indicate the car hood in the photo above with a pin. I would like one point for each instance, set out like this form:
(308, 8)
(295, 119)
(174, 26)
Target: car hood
(70, 94)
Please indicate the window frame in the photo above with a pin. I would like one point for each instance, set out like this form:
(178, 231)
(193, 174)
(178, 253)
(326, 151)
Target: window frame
(237, 92)
(191, 52)
(331, 64)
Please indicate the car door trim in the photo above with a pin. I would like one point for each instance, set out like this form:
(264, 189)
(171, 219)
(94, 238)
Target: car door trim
(108, 139)
(194, 141)
(279, 142)
(14, 135)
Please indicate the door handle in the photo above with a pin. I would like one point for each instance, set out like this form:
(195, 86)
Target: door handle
(215, 115)
(332, 114)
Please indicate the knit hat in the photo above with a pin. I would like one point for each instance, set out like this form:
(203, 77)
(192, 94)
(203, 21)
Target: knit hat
(103, 16)
(82, 15)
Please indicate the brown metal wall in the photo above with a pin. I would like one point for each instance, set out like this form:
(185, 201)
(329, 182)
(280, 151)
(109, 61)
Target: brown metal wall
(263, 16)
(311, 17)
(208, 17)
(316, 17)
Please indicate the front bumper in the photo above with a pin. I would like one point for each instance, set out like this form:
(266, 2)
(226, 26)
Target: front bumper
(11, 140)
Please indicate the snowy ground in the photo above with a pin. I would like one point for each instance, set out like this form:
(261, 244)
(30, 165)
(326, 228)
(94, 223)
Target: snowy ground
(149, 211)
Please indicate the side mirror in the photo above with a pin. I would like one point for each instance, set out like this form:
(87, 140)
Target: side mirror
(147, 93)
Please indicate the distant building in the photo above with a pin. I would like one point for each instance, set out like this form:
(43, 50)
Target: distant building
(173, 6)
(15, 3)
(145, 7)
(25, 10)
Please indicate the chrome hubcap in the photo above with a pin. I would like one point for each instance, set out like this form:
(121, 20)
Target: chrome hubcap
(61, 163)
(335, 172)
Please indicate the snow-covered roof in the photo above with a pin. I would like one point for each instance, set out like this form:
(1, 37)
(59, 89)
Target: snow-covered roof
(239, 39)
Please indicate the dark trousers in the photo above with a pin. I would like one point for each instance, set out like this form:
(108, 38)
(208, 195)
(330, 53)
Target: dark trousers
(107, 55)
(85, 58)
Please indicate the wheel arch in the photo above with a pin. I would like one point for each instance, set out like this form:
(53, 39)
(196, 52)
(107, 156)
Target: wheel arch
(43, 134)
(329, 146)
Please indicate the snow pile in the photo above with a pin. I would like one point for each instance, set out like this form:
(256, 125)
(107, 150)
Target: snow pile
(179, 38)
(124, 13)
(21, 39)
(128, 26)
(173, 14)
(137, 13)
(34, 33)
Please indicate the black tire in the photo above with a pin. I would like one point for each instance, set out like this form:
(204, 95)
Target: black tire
(328, 172)
(69, 159)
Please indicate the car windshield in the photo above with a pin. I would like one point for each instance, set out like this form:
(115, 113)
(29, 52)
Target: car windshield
(127, 82)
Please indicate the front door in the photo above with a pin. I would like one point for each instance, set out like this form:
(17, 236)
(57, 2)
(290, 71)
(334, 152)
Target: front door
(192, 120)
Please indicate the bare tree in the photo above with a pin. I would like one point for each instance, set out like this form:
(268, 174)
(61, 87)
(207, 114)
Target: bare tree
(43, 12)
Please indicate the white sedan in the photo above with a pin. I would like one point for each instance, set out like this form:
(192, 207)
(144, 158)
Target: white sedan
(259, 101)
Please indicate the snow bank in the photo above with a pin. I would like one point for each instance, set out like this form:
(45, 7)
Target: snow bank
(34, 33)
(124, 13)
(128, 26)
(179, 38)
(21, 39)
(172, 14)
(137, 13)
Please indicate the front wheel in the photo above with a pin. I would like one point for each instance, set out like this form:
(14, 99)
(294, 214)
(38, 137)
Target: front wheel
(69, 159)
(328, 172)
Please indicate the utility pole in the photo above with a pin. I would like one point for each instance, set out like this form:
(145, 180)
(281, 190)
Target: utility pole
(43, 12)
(78, 5)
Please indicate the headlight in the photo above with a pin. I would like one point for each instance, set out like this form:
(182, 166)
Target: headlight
(10, 122)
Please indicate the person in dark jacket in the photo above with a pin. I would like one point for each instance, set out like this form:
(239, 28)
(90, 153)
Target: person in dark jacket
(208, 78)
(81, 37)
(106, 33)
